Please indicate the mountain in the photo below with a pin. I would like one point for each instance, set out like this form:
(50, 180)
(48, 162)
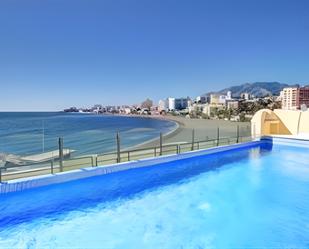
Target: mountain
(258, 89)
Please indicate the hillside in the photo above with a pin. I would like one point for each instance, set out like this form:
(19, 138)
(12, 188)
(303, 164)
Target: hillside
(258, 89)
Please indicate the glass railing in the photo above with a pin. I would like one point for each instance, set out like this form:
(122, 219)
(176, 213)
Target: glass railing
(61, 159)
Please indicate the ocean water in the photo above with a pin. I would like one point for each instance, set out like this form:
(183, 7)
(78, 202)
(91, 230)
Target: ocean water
(30, 133)
(254, 197)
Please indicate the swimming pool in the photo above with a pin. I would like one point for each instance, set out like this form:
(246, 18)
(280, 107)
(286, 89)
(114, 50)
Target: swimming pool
(253, 196)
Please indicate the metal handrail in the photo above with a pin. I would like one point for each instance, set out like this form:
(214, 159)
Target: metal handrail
(129, 154)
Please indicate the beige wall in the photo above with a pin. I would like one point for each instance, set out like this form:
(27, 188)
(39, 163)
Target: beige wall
(280, 122)
(304, 123)
(290, 119)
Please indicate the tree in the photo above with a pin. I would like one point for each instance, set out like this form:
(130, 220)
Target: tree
(242, 117)
(147, 104)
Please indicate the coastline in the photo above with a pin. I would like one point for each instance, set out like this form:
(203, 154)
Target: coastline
(152, 142)
(203, 129)
(181, 133)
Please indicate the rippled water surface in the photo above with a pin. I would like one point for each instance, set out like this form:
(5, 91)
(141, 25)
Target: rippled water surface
(35, 132)
(249, 198)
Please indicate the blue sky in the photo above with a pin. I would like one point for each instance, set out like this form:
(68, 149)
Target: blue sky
(60, 53)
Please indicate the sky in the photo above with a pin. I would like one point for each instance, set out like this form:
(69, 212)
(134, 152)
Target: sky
(60, 53)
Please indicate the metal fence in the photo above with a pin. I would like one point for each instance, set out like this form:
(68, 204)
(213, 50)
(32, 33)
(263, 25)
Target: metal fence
(61, 164)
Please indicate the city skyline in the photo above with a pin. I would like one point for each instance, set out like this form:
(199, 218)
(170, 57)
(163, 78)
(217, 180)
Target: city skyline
(57, 54)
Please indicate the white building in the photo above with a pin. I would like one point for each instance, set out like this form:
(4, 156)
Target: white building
(201, 99)
(288, 98)
(222, 99)
(127, 110)
(208, 109)
(196, 108)
(245, 96)
(216, 99)
(170, 104)
(190, 103)
(162, 105)
(228, 95)
(232, 104)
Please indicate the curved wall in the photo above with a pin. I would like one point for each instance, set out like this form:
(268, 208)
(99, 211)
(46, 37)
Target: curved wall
(280, 122)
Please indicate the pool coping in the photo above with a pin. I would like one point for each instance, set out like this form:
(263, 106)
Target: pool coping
(280, 140)
(43, 180)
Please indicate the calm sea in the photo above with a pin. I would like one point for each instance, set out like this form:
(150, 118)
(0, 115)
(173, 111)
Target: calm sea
(37, 132)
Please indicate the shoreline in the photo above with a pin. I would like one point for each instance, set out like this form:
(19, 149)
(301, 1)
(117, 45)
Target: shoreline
(147, 143)
(203, 129)
(181, 132)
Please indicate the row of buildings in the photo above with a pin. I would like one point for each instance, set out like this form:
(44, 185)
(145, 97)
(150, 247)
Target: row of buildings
(206, 105)
(210, 106)
(177, 104)
(215, 106)
(146, 107)
(113, 109)
(291, 98)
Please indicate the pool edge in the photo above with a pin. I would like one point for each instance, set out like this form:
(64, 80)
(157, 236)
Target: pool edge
(39, 181)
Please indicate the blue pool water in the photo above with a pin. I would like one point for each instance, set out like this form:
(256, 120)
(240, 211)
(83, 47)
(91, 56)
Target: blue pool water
(254, 197)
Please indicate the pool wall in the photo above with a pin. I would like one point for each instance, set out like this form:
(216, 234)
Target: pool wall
(277, 140)
(38, 181)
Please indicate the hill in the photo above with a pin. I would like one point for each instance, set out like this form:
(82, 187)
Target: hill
(258, 89)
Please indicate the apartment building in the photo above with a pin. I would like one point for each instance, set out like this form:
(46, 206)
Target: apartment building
(293, 98)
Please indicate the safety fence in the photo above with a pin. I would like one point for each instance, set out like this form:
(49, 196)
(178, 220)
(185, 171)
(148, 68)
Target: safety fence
(61, 163)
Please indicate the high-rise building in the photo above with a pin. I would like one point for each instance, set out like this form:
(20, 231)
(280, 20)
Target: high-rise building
(162, 105)
(288, 98)
(170, 104)
(302, 97)
(293, 97)
(181, 103)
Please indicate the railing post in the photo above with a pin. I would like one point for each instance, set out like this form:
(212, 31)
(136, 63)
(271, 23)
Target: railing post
(218, 136)
(118, 147)
(192, 146)
(60, 145)
(178, 149)
(52, 166)
(96, 160)
(0, 175)
(237, 140)
(161, 143)
(128, 156)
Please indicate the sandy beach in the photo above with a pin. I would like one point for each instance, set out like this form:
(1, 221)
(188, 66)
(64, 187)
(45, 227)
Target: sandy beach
(203, 129)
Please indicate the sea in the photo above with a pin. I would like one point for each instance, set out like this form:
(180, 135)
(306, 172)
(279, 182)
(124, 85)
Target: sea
(27, 133)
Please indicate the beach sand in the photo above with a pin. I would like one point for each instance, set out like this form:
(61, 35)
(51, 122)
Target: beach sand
(204, 129)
